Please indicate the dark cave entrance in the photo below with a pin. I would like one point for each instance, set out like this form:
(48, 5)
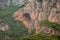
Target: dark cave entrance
(27, 16)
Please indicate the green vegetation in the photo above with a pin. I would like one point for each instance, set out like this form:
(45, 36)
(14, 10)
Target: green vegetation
(51, 24)
(40, 1)
(2, 35)
(40, 37)
(16, 28)
(5, 36)
(8, 10)
(33, 31)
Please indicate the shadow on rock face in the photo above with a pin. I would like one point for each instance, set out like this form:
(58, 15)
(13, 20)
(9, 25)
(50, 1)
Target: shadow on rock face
(27, 16)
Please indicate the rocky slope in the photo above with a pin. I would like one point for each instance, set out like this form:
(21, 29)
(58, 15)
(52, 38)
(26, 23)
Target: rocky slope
(39, 11)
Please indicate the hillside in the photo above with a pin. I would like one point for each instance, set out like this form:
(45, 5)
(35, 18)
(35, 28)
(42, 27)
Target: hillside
(43, 10)
(30, 20)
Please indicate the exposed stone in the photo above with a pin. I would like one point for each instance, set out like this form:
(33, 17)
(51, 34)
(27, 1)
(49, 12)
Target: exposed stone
(4, 27)
(49, 30)
(48, 9)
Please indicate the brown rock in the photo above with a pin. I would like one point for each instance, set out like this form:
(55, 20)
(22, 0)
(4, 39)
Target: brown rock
(40, 11)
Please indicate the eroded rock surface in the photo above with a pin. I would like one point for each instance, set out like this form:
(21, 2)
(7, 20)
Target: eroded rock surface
(38, 11)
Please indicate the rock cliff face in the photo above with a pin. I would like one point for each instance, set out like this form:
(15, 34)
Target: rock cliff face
(39, 11)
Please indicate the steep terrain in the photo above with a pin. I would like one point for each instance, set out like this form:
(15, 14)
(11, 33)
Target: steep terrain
(30, 20)
(40, 10)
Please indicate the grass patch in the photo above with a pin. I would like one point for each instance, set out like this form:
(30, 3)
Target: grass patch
(16, 28)
(40, 37)
(8, 10)
(51, 24)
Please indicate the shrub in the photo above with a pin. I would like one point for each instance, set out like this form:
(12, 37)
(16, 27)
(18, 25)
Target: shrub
(40, 37)
(51, 24)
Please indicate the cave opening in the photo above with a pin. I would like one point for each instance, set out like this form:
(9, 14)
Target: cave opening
(27, 15)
